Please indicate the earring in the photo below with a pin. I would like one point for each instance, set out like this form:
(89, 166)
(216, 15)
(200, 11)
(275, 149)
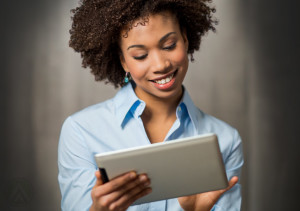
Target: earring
(126, 79)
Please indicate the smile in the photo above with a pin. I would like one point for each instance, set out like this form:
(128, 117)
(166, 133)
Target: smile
(164, 80)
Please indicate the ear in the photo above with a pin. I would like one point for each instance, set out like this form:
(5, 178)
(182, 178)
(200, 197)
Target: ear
(185, 39)
(123, 63)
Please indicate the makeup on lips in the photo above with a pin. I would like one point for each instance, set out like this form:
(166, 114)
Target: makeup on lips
(166, 82)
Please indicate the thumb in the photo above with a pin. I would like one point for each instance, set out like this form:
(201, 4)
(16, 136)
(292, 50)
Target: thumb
(231, 183)
(98, 177)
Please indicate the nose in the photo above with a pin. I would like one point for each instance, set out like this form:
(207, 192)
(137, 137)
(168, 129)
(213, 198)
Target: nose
(160, 63)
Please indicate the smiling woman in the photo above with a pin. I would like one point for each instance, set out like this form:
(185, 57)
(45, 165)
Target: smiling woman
(155, 55)
(150, 41)
(97, 24)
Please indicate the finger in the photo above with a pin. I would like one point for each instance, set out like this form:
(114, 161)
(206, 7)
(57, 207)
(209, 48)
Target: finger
(127, 199)
(99, 179)
(116, 183)
(138, 184)
(231, 183)
(141, 181)
(137, 196)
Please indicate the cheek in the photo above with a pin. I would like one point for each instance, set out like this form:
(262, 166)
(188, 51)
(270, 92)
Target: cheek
(180, 58)
(137, 69)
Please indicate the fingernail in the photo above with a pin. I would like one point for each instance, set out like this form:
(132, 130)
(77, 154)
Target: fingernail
(132, 175)
(143, 178)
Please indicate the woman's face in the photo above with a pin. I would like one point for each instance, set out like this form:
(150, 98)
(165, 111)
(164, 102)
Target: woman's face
(156, 57)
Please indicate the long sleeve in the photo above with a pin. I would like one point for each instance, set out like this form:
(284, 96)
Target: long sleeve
(104, 127)
(76, 168)
(231, 200)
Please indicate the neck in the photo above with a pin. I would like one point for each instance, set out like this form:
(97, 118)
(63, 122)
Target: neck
(159, 114)
(162, 108)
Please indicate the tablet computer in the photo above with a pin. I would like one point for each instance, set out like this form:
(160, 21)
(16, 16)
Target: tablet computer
(176, 168)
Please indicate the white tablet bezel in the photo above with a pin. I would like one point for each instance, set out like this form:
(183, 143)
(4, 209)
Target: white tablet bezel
(176, 168)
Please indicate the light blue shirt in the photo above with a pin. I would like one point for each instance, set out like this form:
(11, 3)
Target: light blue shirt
(117, 124)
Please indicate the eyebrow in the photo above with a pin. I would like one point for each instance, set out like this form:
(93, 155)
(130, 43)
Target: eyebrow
(161, 40)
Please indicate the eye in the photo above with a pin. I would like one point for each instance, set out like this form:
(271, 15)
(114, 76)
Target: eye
(140, 57)
(170, 47)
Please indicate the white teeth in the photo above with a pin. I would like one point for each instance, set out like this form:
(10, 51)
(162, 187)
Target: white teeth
(165, 80)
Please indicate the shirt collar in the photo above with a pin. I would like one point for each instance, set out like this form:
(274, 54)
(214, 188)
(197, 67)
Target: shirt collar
(190, 107)
(126, 101)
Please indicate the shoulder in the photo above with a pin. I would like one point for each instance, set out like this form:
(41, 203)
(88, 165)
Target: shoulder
(203, 122)
(228, 136)
(109, 110)
(91, 116)
(95, 111)
(214, 124)
(208, 123)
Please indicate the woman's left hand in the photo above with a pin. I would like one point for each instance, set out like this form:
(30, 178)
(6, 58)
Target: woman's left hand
(204, 201)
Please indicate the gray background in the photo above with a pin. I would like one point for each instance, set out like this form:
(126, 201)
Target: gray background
(246, 74)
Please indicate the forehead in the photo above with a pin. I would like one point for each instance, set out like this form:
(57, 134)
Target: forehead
(155, 26)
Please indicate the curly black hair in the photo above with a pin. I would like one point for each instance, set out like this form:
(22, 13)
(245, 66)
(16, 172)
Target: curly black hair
(97, 25)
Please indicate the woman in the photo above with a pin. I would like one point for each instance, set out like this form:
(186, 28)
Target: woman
(143, 47)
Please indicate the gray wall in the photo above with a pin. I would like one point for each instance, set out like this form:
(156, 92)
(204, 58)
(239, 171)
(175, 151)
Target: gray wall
(273, 160)
(245, 74)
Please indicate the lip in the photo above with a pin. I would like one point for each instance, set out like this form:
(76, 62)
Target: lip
(168, 85)
(164, 76)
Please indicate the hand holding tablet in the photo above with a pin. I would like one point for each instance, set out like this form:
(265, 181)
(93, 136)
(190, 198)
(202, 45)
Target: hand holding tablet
(120, 192)
(204, 201)
(176, 168)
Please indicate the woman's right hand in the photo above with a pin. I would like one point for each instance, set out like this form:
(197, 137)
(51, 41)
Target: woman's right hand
(119, 193)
